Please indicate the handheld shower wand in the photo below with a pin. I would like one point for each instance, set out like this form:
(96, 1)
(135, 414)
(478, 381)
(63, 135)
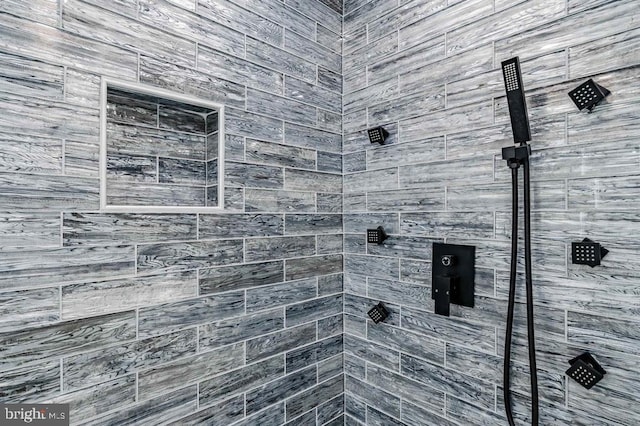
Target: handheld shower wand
(517, 156)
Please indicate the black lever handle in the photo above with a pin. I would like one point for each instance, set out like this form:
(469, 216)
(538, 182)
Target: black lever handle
(444, 286)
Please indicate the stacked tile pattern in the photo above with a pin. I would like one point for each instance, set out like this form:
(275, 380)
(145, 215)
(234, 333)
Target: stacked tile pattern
(429, 72)
(232, 318)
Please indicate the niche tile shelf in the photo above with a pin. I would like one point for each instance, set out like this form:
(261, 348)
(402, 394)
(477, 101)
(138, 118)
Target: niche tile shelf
(160, 151)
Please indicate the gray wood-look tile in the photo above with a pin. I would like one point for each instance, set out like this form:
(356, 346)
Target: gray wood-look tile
(330, 284)
(280, 341)
(308, 137)
(329, 162)
(279, 155)
(331, 366)
(302, 180)
(224, 412)
(30, 77)
(91, 298)
(41, 11)
(417, 415)
(313, 397)
(240, 225)
(241, 380)
(313, 310)
(174, 316)
(166, 408)
(449, 381)
(267, 297)
(30, 154)
(280, 107)
(31, 383)
(37, 268)
(244, 123)
(122, 194)
(329, 79)
(312, 51)
(95, 400)
(214, 280)
(280, 389)
(331, 409)
(281, 13)
(305, 267)
(408, 389)
(475, 335)
(28, 346)
(163, 14)
(313, 224)
(267, 200)
(22, 36)
(280, 60)
(253, 176)
(85, 20)
(322, 11)
(260, 249)
(109, 363)
(25, 230)
(97, 228)
(312, 94)
(177, 256)
(234, 330)
(330, 326)
(311, 354)
(329, 38)
(328, 244)
(371, 352)
(202, 83)
(130, 139)
(156, 381)
(593, 23)
(329, 121)
(44, 117)
(274, 415)
(241, 19)
(372, 395)
(329, 203)
(19, 309)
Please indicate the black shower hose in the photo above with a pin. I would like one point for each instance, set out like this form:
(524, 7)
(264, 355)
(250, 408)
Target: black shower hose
(529, 292)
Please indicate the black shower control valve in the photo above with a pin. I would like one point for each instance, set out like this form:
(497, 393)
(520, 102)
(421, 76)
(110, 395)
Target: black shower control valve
(452, 277)
(448, 260)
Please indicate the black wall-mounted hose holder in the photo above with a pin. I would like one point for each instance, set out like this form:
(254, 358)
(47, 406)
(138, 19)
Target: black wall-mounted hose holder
(587, 252)
(515, 155)
(585, 370)
(453, 276)
(376, 236)
(378, 313)
(588, 95)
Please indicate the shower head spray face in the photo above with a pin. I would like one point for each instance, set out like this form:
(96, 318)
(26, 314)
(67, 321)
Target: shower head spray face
(516, 100)
(588, 95)
(377, 135)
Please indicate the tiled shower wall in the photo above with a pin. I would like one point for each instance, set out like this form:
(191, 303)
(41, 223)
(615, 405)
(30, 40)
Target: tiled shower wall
(428, 70)
(232, 318)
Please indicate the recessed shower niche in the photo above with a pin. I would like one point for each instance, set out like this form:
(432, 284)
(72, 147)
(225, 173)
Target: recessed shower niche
(160, 151)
